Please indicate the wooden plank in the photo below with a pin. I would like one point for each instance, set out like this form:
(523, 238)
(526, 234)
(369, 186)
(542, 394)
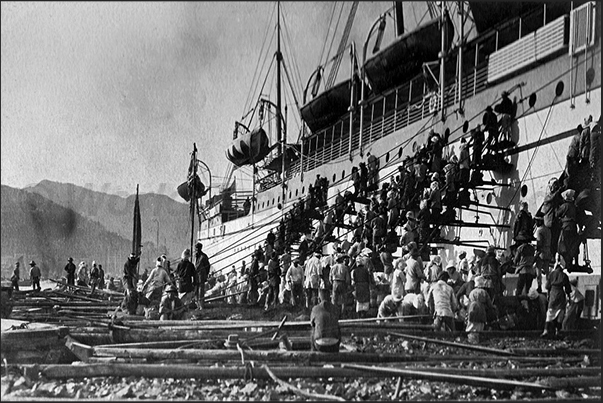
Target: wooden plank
(82, 351)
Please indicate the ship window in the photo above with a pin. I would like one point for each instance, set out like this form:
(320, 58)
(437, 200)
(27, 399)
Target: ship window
(532, 100)
(400, 152)
(334, 177)
(524, 190)
(465, 126)
(296, 192)
(273, 201)
(262, 204)
(343, 174)
(559, 88)
(387, 158)
(289, 194)
(303, 189)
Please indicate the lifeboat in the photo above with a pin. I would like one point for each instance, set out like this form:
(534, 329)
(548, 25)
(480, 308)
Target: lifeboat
(249, 148)
(328, 106)
(403, 58)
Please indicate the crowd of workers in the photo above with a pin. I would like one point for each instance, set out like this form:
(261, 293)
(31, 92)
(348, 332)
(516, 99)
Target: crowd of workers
(407, 212)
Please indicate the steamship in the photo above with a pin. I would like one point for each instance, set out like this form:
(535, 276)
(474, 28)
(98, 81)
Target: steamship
(440, 76)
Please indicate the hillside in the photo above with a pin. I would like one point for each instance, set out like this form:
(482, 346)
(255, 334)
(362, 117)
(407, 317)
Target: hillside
(48, 233)
(115, 213)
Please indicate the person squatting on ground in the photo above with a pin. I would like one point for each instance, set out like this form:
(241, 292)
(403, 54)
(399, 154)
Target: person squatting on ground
(171, 307)
(391, 306)
(324, 319)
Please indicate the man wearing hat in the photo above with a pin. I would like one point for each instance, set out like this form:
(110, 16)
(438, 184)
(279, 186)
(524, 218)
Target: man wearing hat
(559, 290)
(34, 275)
(186, 278)
(341, 280)
(70, 269)
(391, 306)
(171, 307)
(130, 277)
(543, 248)
(312, 275)
(524, 225)
(295, 278)
(362, 279)
(414, 270)
(156, 282)
(455, 279)
(202, 267)
(569, 242)
(463, 266)
(324, 319)
(442, 304)
(409, 230)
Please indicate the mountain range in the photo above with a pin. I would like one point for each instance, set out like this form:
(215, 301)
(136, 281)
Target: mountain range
(56, 220)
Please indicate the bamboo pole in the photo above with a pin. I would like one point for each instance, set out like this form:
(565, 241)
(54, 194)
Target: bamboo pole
(460, 379)
(300, 356)
(300, 392)
(112, 367)
(454, 344)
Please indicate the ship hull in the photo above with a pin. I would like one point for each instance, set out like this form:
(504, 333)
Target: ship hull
(542, 133)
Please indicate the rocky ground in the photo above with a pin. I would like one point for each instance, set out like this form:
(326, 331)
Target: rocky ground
(17, 386)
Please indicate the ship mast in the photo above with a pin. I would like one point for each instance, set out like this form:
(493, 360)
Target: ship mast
(443, 28)
(279, 130)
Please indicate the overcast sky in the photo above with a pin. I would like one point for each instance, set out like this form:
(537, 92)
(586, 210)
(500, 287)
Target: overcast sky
(108, 95)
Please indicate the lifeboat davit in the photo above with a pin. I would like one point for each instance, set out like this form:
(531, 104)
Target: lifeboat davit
(249, 148)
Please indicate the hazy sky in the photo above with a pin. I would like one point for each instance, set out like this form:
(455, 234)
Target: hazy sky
(108, 95)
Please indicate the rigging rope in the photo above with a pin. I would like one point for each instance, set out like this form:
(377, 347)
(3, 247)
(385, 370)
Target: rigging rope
(251, 92)
(342, 45)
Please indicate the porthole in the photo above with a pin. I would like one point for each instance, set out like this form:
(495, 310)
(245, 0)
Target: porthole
(334, 177)
(296, 192)
(262, 204)
(559, 88)
(446, 135)
(303, 189)
(289, 194)
(387, 158)
(465, 126)
(590, 76)
(278, 200)
(414, 147)
(489, 198)
(273, 201)
(524, 190)
(343, 174)
(532, 100)
(400, 152)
